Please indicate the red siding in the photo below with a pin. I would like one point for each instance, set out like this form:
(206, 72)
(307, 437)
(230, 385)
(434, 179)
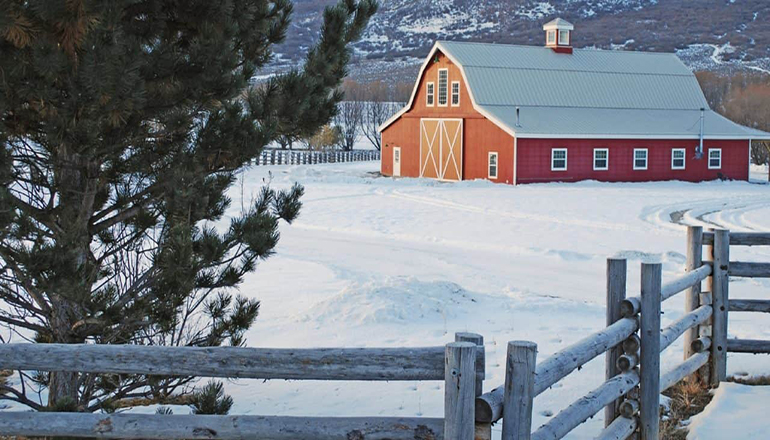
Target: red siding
(534, 156)
(480, 136)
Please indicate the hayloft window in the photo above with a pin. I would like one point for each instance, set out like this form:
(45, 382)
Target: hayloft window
(430, 94)
(455, 93)
(559, 159)
(715, 158)
(564, 37)
(551, 37)
(601, 159)
(443, 78)
(677, 159)
(640, 158)
(492, 165)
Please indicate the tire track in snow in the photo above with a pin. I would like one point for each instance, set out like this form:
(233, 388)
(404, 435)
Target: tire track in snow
(728, 213)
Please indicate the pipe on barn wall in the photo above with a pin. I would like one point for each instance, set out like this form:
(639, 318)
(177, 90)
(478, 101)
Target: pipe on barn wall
(699, 152)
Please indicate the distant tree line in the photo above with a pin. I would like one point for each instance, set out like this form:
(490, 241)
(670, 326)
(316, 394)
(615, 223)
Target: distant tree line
(743, 98)
(365, 106)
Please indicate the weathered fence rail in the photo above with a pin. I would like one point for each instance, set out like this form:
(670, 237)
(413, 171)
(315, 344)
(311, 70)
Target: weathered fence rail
(165, 427)
(741, 269)
(632, 343)
(307, 157)
(369, 364)
(459, 364)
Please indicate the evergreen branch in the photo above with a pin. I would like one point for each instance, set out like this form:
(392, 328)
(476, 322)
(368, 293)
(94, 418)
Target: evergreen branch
(23, 324)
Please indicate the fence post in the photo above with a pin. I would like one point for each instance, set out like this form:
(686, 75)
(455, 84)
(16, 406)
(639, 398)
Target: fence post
(692, 295)
(719, 297)
(649, 383)
(459, 390)
(616, 293)
(483, 431)
(519, 390)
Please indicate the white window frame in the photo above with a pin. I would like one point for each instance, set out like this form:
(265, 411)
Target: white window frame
(673, 158)
(564, 42)
(452, 93)
(717, 150)
(646, 159)
(430, 94)
(607, 159)
(553, 152)
(489, 165)
(551, 37)
(446, 90)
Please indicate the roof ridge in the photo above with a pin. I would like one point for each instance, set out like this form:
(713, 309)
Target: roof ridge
(579, 49)
(480, 66)
(523, 106)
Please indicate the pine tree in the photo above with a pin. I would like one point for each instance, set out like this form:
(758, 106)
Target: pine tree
(123, 123)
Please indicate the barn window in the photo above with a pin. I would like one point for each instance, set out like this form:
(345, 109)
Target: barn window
(551, 37)
(443, 78)
(492, 165)
(558, 159)
(563, 37)
(677, 158)
(601, 159)
(430, 94)
(640, 158)
(455, 93)
(715, 158)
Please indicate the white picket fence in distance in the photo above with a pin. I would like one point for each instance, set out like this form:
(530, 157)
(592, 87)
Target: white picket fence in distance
(308, 157)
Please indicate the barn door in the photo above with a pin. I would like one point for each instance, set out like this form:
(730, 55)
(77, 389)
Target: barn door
(430, 148)
(441, 148)
(452, 149)
(396, 161)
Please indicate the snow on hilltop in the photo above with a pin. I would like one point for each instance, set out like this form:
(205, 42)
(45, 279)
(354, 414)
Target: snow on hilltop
(374, 261)
(712, 34)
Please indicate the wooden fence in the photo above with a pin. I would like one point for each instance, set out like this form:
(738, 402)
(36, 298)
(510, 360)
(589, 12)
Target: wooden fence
(632, 343)
(459, 364)
(306, 157)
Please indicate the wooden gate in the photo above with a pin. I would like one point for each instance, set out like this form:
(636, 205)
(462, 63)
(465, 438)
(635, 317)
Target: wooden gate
(441, 149)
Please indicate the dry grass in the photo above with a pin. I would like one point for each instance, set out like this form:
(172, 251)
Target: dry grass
(687, 399)
(3, 375)
(756, 380)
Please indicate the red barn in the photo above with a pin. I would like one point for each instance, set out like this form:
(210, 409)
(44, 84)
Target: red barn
(524, 114)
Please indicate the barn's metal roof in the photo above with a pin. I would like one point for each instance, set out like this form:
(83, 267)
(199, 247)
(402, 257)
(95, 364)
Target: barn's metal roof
(566, 122)
(589, 93)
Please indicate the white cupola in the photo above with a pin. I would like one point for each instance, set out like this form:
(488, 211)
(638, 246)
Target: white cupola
(558, 35)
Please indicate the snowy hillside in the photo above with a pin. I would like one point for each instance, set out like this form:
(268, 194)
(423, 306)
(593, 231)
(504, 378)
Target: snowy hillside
(380, 262)
(719, 35)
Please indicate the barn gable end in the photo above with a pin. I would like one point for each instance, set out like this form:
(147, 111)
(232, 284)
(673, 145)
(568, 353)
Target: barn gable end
(480, 137)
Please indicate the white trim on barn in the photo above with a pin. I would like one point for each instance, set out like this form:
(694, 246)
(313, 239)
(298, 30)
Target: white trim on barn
(606, 159)
(490, 165)
(646, 159)
(553, 158)
(674, 158)
(436, 47)
(716, 150)
(452, 94)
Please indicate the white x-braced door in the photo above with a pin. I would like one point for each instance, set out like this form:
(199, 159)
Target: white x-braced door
(441, 148)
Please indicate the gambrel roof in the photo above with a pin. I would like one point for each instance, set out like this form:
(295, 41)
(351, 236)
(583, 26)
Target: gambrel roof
(590, 93)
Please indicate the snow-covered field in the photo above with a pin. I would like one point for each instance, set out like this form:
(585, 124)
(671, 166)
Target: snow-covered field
(374, 261)
(736, 412)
